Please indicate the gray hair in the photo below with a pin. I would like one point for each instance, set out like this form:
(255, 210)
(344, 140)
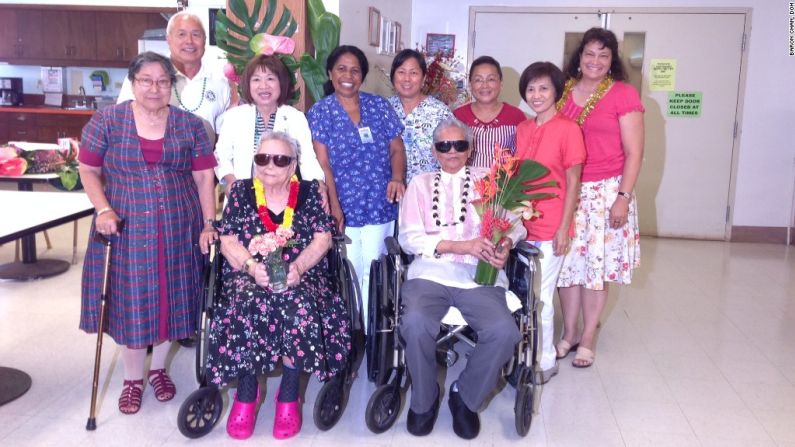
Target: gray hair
(186, 14)
(150, 57)
(291, 142)
(452, 122)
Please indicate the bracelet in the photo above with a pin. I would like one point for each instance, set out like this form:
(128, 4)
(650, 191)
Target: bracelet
(247, 264)
(396, 180)
(107, 209)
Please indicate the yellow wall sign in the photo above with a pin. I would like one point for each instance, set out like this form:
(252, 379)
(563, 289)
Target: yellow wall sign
(663, 75)
(684, 104)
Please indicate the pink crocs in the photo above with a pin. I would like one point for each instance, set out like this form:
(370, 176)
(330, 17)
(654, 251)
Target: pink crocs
(242, 418)
(287, 421)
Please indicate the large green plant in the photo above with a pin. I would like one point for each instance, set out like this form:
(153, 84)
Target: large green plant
(238, 48)
(324, 29)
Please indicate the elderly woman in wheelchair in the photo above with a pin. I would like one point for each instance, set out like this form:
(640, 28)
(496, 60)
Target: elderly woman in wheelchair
(300, 321)
(439, 225)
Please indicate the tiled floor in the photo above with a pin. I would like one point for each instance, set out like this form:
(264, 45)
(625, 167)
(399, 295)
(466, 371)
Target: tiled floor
(700, 350)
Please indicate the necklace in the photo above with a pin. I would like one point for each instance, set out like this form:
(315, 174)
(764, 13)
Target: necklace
(459, 216)
(595, 97)
(262, 205)
(201, 101)
(158, 118)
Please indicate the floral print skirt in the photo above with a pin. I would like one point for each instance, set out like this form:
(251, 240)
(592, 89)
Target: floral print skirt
(256, 328)
(599, 253)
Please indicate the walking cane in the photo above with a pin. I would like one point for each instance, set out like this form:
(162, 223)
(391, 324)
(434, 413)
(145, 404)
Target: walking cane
(92, 420)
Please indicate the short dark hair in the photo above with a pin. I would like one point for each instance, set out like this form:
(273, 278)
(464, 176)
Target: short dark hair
(334, 56)
(482, 60)
(273, 64)
(538, 70)
(150, 57)
(402, 57)
(608, 40)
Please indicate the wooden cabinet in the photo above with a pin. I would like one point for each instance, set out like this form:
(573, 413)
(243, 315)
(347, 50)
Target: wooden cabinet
(76, 35)
(105, 37)
(17, 40)
(41, 127)
(118, 34)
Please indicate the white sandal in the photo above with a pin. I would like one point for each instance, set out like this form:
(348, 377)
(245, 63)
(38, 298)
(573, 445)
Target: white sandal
(583, 355)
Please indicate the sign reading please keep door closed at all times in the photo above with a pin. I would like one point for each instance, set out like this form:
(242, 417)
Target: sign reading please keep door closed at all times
(685, 104)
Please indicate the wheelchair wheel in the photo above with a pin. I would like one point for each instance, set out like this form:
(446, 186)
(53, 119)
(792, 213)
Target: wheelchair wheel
(202, 345)
(330, 403)
(200, 412)
(380, 340)
(383, 408)
(523, 408)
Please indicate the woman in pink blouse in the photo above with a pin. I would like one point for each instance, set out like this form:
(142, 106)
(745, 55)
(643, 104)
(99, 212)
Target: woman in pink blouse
(605, 247)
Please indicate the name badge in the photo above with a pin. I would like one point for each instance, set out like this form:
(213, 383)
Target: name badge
(366, 135)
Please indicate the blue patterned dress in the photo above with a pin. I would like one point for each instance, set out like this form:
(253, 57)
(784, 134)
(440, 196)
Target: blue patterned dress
(361, 170)
(307, 323)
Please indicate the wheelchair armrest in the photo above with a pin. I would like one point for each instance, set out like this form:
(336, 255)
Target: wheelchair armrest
(526, 249)
(392, 246)
(338, 238)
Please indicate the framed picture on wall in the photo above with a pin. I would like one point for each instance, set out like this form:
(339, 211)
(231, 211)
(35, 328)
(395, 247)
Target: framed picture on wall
(440, 43)
(398, 31)
(386, 32)
(374, 27)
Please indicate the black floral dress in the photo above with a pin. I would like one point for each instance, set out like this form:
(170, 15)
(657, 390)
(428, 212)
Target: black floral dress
(307, 323)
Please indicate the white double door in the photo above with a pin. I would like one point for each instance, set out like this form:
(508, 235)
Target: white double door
(684, 189)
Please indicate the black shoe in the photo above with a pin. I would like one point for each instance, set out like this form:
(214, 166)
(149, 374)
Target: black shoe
(466, 423)
(421, 424)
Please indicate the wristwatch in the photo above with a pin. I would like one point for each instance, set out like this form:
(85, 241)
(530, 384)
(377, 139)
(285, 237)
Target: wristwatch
(211, 222)
(625, 195)
(436, 254)
(247, 264)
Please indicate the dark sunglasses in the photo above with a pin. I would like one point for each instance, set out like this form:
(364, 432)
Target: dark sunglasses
(445, 146)
(279, 160)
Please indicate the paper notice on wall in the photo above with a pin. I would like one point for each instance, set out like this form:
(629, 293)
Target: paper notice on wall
(663, 75)
(686, 104)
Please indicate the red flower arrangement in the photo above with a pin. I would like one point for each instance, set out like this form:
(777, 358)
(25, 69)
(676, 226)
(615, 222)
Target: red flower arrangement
(507, 187)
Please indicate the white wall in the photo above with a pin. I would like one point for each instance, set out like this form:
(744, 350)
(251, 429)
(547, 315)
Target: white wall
(354, 16)
(766, 162)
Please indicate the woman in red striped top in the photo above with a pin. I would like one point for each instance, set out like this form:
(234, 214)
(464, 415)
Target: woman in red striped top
(492, 121)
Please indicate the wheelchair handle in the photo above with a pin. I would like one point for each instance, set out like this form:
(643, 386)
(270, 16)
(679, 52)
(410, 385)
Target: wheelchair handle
(392, 246)
(527, 249)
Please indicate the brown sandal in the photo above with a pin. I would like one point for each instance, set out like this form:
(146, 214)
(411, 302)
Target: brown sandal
(163, 386)
(131, 395)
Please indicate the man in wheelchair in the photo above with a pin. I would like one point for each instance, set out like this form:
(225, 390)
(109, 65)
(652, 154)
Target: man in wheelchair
(439, 225)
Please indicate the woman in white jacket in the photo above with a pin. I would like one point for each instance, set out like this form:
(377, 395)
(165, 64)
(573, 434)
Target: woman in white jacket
(267, 85)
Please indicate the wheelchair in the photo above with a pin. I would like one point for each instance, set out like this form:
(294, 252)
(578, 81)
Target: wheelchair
(386, 363)
(202, 409)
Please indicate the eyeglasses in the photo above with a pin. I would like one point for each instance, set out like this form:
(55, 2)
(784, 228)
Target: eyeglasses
(279, 160)
(445, 146)
(481, 81)
(148, 82)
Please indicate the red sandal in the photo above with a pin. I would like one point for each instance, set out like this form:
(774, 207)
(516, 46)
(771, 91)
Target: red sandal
(131, 396)
(163, 386)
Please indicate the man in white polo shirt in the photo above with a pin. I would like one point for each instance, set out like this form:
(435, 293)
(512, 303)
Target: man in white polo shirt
(201, 90)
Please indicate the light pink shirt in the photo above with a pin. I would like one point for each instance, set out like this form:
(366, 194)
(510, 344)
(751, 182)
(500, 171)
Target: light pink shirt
(419, 235)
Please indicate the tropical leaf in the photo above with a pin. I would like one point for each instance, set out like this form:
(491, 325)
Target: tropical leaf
(314, 76)
(515, 189)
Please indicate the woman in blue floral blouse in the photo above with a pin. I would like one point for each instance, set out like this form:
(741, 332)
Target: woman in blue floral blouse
(356, 137)
(419, 113)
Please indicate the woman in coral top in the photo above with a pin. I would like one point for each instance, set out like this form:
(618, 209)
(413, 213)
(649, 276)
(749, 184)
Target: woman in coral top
(556, 142)
(605, 247)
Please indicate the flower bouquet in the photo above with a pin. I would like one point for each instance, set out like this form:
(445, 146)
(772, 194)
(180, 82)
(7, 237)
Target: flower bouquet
(269, 246)
(507, 187)
(444, 80)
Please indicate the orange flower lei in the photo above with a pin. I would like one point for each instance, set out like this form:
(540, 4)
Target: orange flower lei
(262, 208)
